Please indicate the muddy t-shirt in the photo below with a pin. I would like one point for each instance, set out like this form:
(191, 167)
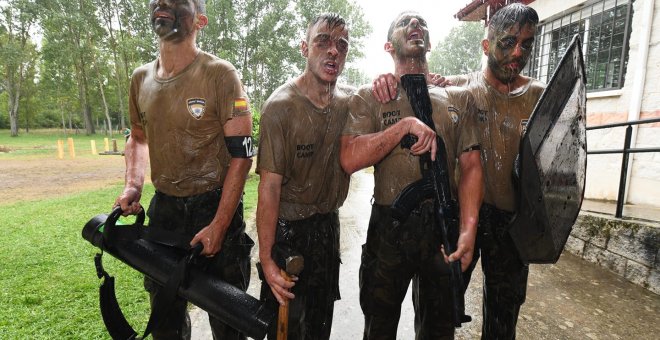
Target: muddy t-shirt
(501, 120)
(453, 112)
(301, 142)
(183, 119)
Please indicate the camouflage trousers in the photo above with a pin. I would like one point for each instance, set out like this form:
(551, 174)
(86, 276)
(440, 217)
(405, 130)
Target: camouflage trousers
(317, 239)
(505, 276)
(394, 255)
(186, 216)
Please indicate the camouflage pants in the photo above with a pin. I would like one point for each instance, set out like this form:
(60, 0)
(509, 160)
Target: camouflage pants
(317, 288)
(505, 276)
(188, 215)
(394, 255)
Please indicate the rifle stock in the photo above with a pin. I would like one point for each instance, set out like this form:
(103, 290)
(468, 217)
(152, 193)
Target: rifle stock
(433, 185)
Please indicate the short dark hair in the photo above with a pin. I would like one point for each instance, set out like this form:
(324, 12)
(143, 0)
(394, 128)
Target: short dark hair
(391, 30)
(509, 15)
(333, 20)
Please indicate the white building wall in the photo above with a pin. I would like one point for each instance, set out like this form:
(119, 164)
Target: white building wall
(603, 171)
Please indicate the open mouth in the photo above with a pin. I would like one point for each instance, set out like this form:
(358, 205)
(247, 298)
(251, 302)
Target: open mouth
(330, 66)
(512, 66)
(416, 35)
(162, 15)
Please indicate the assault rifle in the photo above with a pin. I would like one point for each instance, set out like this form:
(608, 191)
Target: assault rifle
(433, 185)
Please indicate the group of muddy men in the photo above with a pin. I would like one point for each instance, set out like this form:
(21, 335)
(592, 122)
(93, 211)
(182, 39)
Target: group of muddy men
(191, 121)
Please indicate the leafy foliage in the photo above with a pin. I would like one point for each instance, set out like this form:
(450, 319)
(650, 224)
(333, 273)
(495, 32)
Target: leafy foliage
(82, 52)
(460, 52)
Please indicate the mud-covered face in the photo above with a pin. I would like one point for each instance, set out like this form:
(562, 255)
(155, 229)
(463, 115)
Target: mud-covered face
(508, 51)
(172, 20)
(410, 36)
(326, 51)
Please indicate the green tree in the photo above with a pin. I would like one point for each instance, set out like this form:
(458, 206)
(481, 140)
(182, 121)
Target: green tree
(29, 98)
(354, 76)
(67, 27)
(460, 52)
(262, 38)
(17, 52)
(351, 12)
(89, 48)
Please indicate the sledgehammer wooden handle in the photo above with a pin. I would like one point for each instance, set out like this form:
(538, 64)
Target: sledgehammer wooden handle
(291, 263)
(283, 316)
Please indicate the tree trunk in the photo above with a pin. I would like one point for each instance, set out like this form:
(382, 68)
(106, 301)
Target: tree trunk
(122, 78)
(84, 99)
(105, 102)
(14, 82)
(13, 112)
(63, 119)
(118, 77)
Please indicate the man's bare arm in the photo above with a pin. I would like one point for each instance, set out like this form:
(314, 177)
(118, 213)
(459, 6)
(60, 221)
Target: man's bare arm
(470, 195)
(213, 235)
(385, 87)
(268, 206)
(136, 155)
(360, 151)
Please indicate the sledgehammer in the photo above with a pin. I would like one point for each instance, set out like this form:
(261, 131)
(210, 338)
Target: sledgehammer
(291, 263)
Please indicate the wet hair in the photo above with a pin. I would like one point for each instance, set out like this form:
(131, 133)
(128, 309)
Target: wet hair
(509, 15)
(391, 30)
(200, 6)
(333, 20)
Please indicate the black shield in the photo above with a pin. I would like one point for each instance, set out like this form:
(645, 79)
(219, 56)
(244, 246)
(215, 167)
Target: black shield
(553, 164)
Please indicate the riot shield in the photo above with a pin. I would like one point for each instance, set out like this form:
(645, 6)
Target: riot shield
(553, 164)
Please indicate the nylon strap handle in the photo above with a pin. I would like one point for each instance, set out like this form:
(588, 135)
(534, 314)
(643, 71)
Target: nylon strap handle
(113, 317)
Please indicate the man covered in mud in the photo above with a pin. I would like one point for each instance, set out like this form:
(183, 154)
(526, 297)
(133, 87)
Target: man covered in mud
(505, 99)
(302, 184)
(191, 119)
(395, 252)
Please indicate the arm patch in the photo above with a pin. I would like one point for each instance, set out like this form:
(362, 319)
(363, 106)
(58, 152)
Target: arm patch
(240, 146)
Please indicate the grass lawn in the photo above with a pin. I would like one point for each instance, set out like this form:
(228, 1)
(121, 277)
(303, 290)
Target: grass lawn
(48, 282)
(43, 142)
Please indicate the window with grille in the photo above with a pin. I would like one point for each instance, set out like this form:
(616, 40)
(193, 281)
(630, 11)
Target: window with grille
(604, 29)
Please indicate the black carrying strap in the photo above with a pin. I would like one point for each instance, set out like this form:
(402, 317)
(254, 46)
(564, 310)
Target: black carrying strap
(113, 317)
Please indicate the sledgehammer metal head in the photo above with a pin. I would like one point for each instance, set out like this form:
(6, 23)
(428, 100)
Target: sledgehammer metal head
(287, 259)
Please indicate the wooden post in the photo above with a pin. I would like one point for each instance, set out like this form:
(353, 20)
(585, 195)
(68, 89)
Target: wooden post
(106, 146)
(114, 145)
(93, 142)
(60, 149)
(72, 151)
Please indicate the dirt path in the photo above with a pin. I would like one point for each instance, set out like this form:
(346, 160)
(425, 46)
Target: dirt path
(33, 179)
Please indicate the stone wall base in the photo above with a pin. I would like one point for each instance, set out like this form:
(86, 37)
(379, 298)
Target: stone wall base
(630, 249)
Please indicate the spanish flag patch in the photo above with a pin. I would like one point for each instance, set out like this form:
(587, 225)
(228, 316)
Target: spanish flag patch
(240, 105)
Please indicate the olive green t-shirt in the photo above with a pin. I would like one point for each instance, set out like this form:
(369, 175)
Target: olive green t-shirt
(453, 112)
(183, 119)
(502, 118)
(301, 142)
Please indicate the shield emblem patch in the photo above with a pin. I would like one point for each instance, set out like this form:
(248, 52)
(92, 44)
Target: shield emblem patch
(196, 107)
